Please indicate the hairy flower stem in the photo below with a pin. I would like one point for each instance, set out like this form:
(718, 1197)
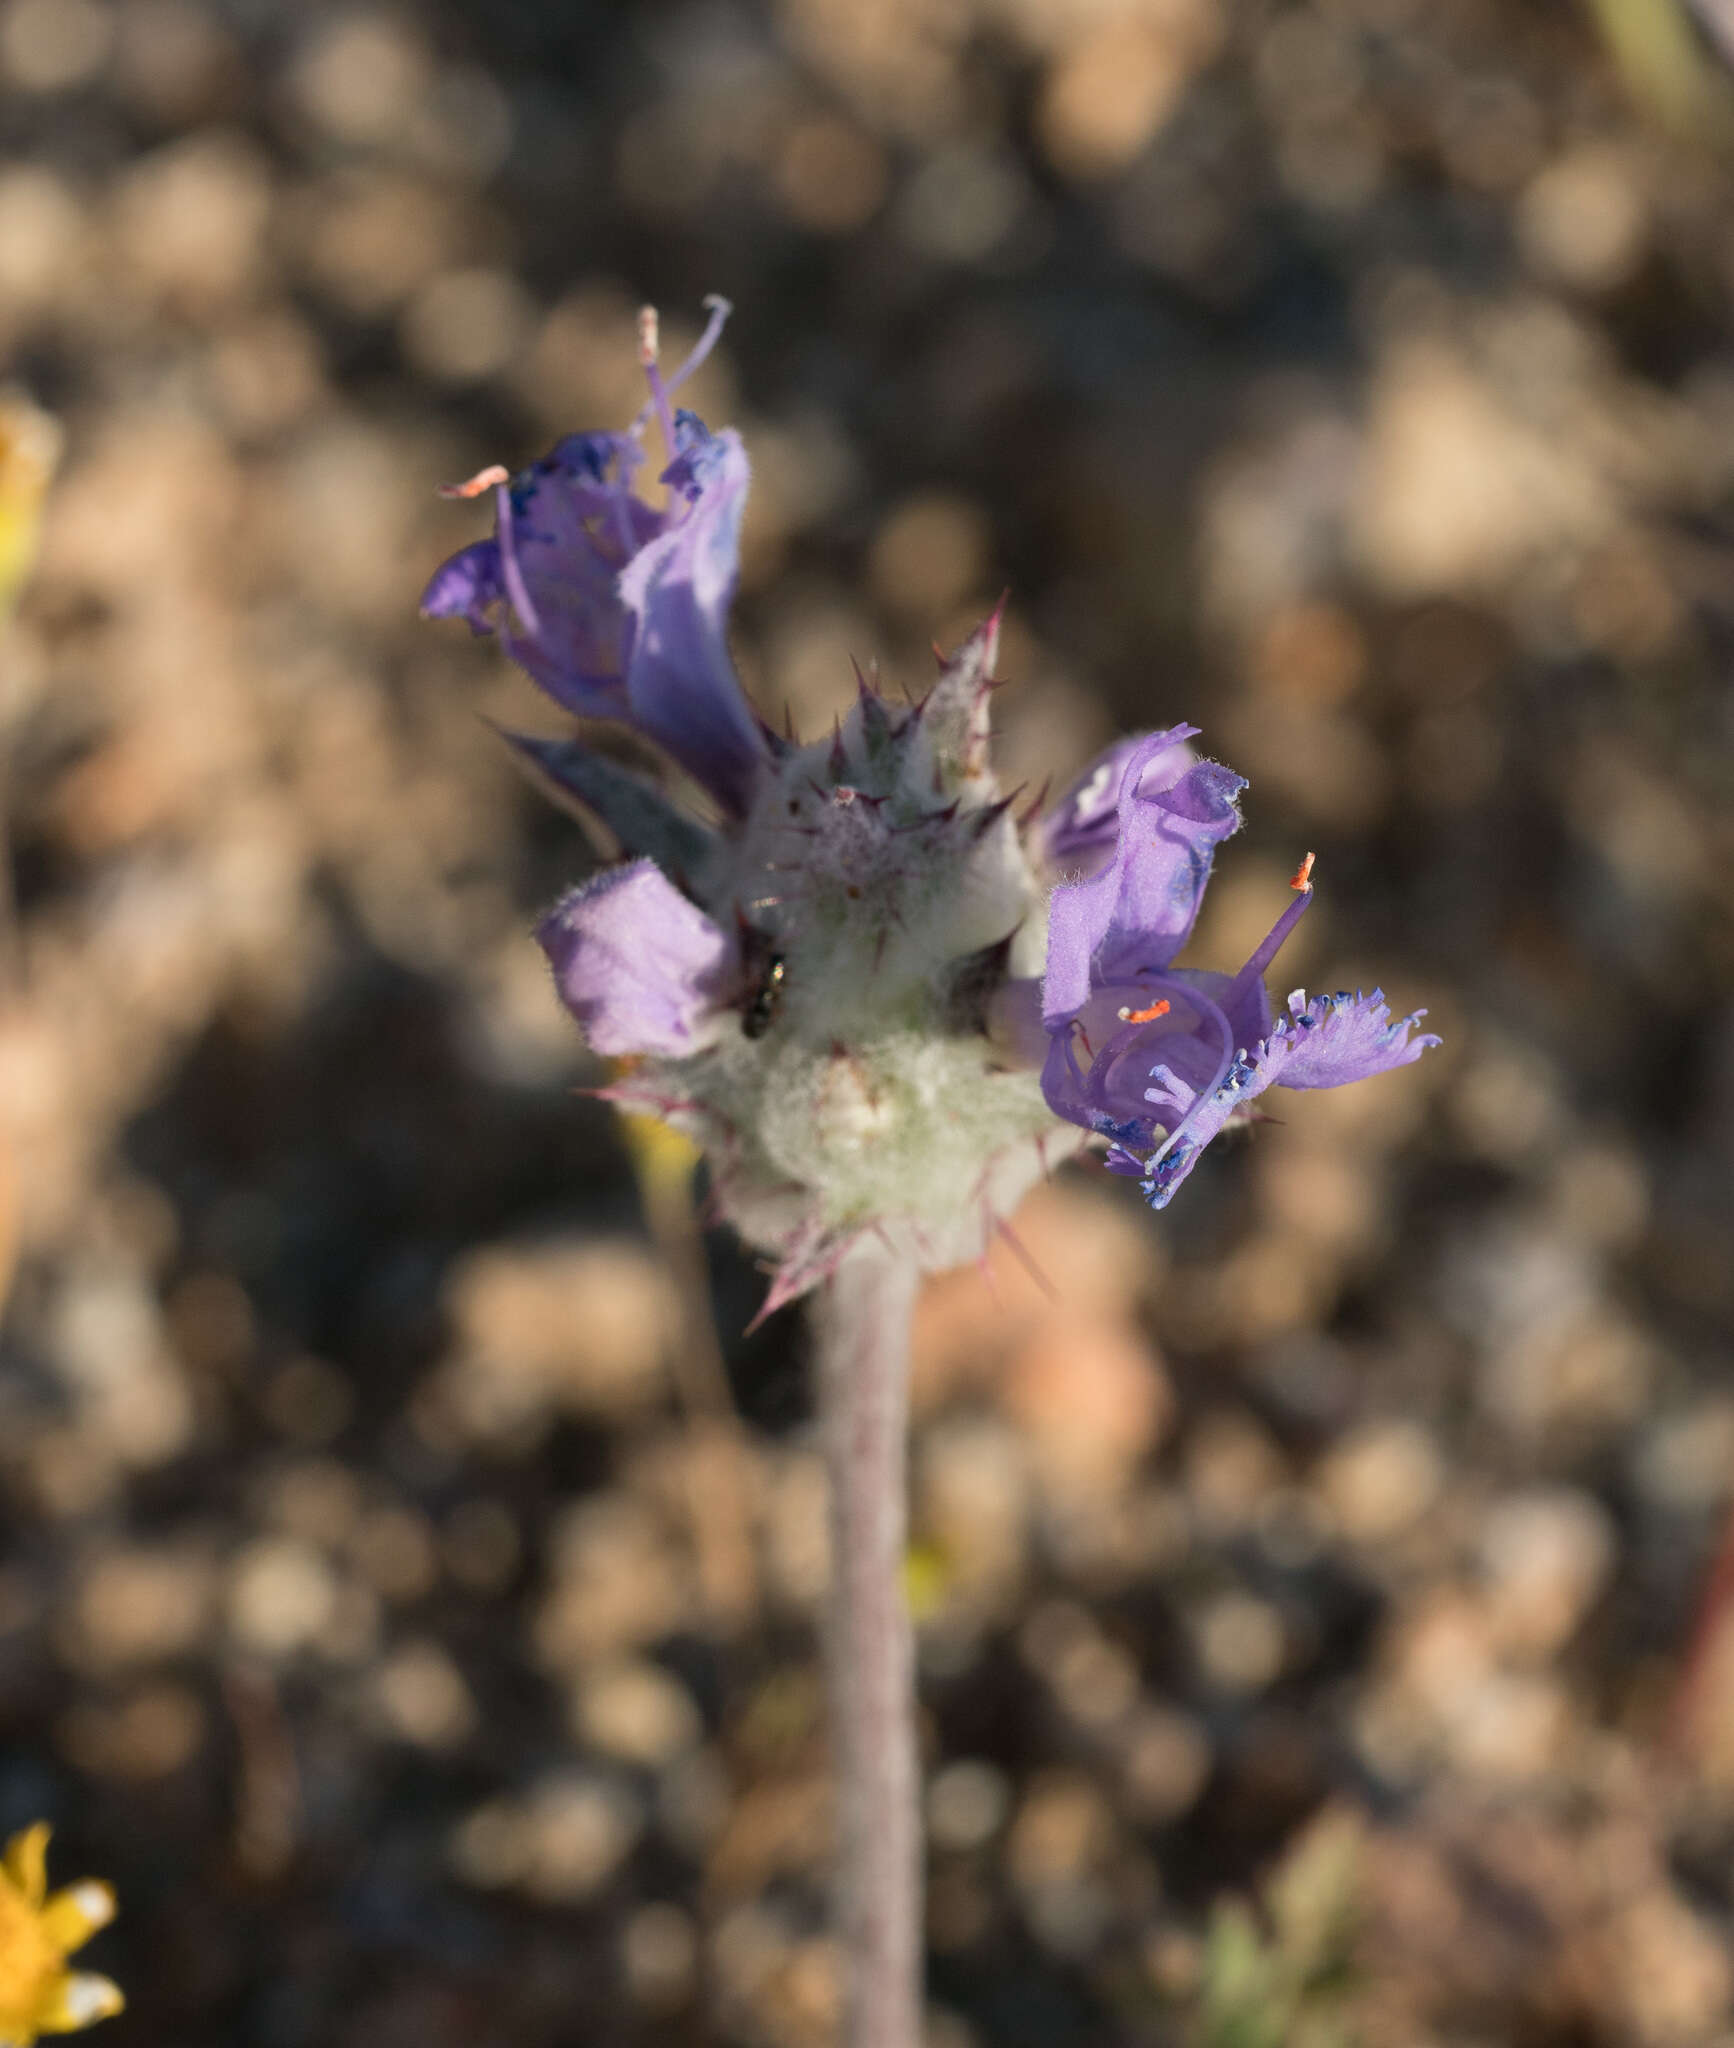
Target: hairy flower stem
(863, 1331)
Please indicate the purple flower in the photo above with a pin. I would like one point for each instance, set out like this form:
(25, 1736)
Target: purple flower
(637, 964)
(618, 609)
(1158, 1059)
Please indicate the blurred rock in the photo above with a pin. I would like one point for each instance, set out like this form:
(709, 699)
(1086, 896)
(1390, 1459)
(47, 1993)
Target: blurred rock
(1062, 1826)
(48, 46)
(422, 1695)
(617, 1583)
(394, 1550)
(481, 1546)
(1110, 89)
(659, 1956)
(967, 1803)
(360, 77)
(931, 553)
(1544, 1558)
(1167, 1758)
(579, 1829)
(109, 1344)
(797, 1530)
(464, 325)
(1381, 1479)
(1241, 1642)
(584, 1327)
(831, 176)
(149, 1734)
(191, 222)
(139, 1606)
(1582, 220)
(281, 1596)
(634, 1713)
(972, 1503)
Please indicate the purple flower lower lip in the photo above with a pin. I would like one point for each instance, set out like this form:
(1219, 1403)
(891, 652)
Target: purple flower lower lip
(1322, 1044)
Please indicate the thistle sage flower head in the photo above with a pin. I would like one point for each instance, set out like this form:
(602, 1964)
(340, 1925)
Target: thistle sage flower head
(880, 1000)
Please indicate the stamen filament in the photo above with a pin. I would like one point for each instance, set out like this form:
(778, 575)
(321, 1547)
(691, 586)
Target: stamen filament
(516, 588)
(719, 309)
(649, 349)
(649, 353)
(1225, 1061)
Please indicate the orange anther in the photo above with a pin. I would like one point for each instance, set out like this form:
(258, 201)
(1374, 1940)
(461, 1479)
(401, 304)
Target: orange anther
(649, 337)
(483, 480)
(1302, 878)
(1145, 1016)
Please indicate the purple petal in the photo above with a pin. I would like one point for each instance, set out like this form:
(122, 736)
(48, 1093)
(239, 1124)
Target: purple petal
(1135, 914)
(565, 529)
(574, 524)
(1079, 832)
(636, 963)
(1341, 1038)
(467, 586)
(676, 592)
(1321, 1044)
(1099, 1067)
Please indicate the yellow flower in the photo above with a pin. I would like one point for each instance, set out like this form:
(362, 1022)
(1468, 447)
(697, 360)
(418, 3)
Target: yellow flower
(663, 1159)
(38, 1993)
(29, 453)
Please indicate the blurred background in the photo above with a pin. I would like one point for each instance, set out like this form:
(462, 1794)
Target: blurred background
(387, 1603)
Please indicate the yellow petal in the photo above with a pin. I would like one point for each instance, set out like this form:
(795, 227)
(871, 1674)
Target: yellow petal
(72, 1916)
(79, 2000)
(26, 1861)
(29, 450)
(663, 1156)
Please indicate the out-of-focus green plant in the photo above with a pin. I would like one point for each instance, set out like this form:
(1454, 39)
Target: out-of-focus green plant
(1282, 1979)
(1667, 66)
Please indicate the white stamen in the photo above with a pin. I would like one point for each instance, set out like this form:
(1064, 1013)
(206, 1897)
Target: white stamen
(95, 1902)
(91, 1998)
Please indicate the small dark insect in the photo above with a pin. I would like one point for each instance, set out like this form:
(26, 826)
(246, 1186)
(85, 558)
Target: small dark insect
(767, 999)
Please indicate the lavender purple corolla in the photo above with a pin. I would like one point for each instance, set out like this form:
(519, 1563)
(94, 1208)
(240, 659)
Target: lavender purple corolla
(1173, 1055)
